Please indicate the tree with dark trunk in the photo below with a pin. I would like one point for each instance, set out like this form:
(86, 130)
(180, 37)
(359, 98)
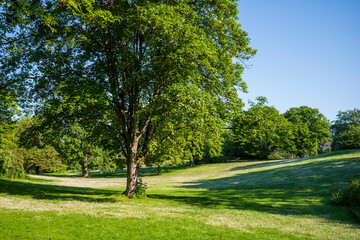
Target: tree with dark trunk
(153, 68)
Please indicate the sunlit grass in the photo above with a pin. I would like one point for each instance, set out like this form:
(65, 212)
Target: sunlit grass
(281, 199)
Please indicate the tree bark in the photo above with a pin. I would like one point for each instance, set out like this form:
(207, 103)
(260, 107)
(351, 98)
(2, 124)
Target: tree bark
(85, 172)
(132, 170)
(158, 169)
(38, 169)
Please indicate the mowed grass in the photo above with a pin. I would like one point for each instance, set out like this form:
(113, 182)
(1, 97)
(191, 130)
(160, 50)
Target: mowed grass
(281, 199)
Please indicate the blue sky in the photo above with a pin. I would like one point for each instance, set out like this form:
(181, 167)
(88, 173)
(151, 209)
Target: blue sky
(308, 53)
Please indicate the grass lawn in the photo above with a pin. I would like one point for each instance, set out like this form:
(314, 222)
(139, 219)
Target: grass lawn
(281, 199)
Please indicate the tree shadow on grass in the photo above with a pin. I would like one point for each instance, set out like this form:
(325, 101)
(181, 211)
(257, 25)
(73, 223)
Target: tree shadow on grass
(302, 189)
(54, 192)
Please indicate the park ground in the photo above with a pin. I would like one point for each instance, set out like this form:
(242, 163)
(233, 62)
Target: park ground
(278, 199)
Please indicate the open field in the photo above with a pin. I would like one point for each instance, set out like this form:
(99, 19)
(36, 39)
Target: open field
(281, 199)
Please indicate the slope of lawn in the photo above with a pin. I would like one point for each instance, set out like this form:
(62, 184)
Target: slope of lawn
(281, 199)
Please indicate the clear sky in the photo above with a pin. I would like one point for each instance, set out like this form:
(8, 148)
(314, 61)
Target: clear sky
(308, 53)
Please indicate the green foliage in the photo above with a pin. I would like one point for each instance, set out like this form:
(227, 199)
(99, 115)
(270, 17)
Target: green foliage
(147, 70)
(8, 107)
(45, 157)
(39, 156)
(310, 128)
(11, 163)
(353, 197)
(347, 130)
(338, 197)
(190, 145)
(17, 158)
(11, 155)
(349, 197)
(261, 130)
(140, 188)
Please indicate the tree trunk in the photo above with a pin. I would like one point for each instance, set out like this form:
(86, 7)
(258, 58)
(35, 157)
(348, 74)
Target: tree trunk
(132, 170)
(191, 163)
(85, 172)
(159, 169)
(38, 169)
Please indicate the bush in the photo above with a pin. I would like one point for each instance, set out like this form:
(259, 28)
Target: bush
(338, 197)
(353, 197)
(140, 189)
(11, 164)
(349, 197)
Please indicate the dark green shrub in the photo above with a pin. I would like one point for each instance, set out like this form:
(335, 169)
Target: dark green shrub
(11, 164)
(338, 197)
(349, 197)
(356, 212)
(140, 189)
(353, 197)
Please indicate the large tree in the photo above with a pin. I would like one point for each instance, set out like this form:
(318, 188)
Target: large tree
(347, 130)
(161, 66)
(261, 130)
(311, 129)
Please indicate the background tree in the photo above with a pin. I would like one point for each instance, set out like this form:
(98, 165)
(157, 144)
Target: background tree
(190, 145)
(78, 148)
(38, 154)
(261, 130)
(311, 129)
(161, 66)
(347, 130)
(11, 156)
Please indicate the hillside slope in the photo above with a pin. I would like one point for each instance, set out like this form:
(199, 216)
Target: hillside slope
(282, 199)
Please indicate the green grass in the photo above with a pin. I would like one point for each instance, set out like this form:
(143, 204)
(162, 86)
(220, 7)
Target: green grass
(279, 199)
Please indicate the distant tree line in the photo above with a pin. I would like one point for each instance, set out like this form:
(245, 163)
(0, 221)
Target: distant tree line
(262, 132)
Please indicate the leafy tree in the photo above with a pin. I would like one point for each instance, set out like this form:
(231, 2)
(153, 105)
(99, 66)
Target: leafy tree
(347, 130)
(15, 159)
(311, 129)
(161, 66)
(38, 155)
(42, 159)
(261, 130)
(14, 73)
(11, 156)
(77, 148)
(190, 145)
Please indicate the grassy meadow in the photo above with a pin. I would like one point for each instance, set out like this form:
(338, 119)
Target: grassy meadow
(278, 199)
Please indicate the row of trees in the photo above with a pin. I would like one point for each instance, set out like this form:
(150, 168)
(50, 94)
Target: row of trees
(24, 149)
(262, 130)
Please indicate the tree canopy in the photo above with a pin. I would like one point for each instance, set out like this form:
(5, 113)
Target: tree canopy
(311, 129)
(261, 130)
(347, 130)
